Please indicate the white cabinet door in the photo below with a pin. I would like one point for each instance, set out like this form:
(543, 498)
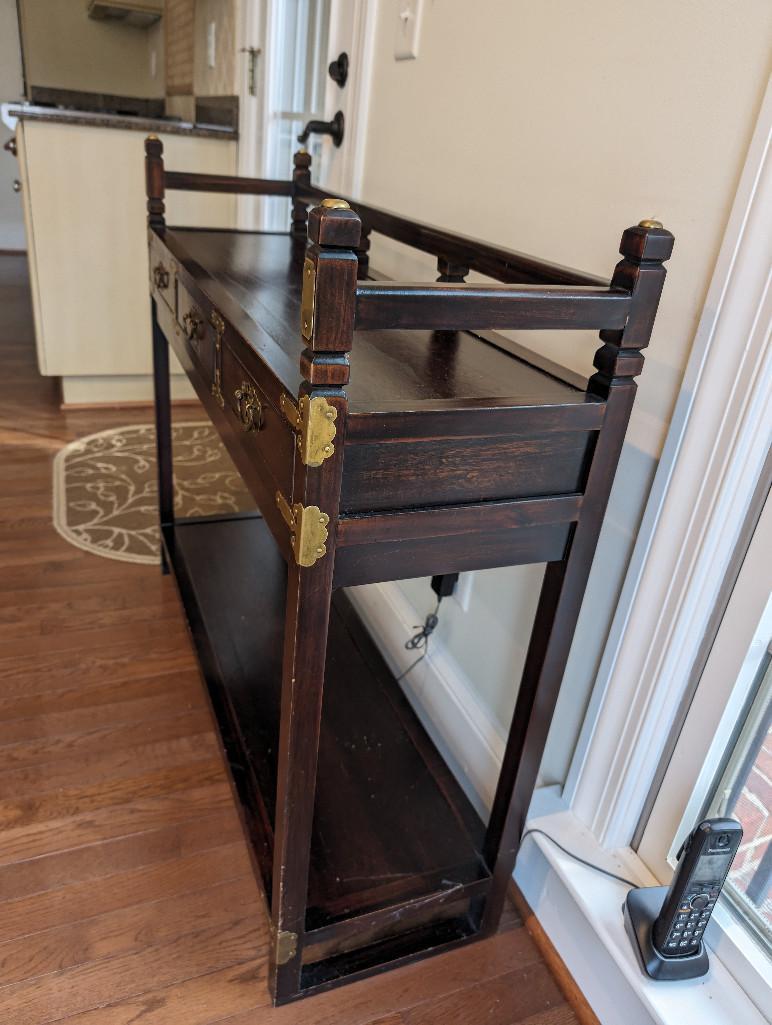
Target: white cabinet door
(85, 194)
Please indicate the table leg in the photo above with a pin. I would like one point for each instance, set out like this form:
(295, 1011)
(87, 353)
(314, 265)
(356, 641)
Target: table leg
(163, 427)
(557, 613)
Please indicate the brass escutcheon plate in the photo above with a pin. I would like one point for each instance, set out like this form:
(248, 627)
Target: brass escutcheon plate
(307, 299)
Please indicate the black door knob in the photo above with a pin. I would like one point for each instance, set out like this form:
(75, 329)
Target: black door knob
(339, 69)
(332, 128)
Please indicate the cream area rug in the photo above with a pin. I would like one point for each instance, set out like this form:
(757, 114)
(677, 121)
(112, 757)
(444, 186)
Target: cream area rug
(105, 490)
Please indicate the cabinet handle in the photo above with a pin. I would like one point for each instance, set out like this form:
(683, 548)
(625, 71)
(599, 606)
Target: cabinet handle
(16, 185)
(248, 407)
(160, 276)
(11, 145)
(193, 324)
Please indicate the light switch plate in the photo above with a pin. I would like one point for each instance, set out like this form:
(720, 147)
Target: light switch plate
(211, 44)
(407, 29)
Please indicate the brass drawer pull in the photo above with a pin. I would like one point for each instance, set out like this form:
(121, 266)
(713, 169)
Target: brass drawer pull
(193, 325)
(161, 276)
(249, 407)
(219, 333)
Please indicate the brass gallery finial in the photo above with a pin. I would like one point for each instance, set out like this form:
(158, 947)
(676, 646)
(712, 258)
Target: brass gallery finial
(335, 204)
(153, 137)
(650, 224)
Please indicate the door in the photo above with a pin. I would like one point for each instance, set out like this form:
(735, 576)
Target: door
(349, 44)
(297, 42)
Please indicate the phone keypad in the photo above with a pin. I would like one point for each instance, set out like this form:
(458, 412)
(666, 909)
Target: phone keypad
(690, 922)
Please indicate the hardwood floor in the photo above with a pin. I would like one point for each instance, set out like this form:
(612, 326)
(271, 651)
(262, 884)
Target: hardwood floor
(126, 894)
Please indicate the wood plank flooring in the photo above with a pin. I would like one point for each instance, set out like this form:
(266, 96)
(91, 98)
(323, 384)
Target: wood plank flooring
(126, 895)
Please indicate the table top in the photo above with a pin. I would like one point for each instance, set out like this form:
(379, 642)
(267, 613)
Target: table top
(255, 278)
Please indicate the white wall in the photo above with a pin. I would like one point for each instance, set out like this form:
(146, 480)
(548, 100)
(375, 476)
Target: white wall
(550, 127)
(11, 88)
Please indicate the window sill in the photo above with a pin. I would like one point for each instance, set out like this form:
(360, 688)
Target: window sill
(581, 912)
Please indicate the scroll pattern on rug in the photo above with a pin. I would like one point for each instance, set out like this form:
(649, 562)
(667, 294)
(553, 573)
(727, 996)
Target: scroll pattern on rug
(105, 489)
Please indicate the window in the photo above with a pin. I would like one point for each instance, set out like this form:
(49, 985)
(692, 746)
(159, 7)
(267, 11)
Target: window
(721, 763)
(744, 792)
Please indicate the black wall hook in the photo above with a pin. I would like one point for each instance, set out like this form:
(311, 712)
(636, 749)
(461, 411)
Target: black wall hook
(338, 69)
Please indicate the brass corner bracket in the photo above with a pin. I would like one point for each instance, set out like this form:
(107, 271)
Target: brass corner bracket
(314, 420)
(285, 945)
(309, 529)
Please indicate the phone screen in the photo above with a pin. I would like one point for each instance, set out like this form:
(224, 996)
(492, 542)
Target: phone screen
(711, 867)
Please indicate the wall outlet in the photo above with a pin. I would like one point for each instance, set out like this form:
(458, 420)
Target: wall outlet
(211, 44)
(407, 29)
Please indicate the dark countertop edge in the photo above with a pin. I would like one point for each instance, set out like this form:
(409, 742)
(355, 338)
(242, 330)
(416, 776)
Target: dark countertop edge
(121, 121)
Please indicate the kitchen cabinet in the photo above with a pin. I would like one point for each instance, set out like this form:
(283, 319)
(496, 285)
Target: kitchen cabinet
(81, 182)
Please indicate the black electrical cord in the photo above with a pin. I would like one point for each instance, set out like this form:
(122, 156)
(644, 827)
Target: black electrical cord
(576, 857)
(421, 639)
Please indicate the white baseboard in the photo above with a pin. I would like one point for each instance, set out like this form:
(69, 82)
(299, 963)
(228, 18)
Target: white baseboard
(105, 389)
(442, 696)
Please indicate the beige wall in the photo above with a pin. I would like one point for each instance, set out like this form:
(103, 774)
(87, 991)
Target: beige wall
(550, 127)
(66, 49)
(11, 88)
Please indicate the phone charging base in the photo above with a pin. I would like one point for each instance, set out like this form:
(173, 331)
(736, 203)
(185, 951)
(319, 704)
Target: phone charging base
(640, 909)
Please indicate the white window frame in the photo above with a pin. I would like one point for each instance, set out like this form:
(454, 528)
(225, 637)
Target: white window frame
(726, 683)
(724, 688)
(697, 510)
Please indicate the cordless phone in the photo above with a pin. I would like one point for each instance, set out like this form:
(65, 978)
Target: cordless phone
(703, 863)
(666, 925)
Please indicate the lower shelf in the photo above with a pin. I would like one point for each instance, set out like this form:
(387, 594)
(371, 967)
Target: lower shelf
(391, 823)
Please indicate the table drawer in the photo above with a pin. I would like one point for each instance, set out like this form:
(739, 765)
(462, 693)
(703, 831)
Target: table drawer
(198, 332)
(422, 472)
(263, 432)
(163, 274)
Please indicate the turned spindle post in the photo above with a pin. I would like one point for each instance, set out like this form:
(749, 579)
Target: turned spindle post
(363, 252)
(449, 270)
(154, 181)
(301, 179)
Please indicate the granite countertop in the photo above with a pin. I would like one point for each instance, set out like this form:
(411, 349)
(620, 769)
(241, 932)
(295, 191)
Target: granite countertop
(158, 126)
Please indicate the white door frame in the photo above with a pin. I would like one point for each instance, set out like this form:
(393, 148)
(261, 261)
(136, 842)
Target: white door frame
(250, 32)
(712, 460)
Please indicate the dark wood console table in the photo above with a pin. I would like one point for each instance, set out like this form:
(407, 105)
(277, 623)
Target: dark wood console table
(385, 431)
